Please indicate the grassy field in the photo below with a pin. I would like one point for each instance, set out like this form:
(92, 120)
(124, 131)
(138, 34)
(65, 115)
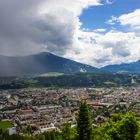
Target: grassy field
(5, 124)
(51, 74)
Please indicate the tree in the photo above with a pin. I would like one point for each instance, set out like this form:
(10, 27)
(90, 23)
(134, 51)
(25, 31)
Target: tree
(128, 127)
(42, 137)
(68, 133)
(29, 130)
(119, 127)
(84, 122)
(52, 135)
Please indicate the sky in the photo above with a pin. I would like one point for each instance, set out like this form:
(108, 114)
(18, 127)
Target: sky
(95, 32)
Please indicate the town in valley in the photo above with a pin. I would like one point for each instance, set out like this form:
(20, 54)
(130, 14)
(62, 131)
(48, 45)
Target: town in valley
(50, 108)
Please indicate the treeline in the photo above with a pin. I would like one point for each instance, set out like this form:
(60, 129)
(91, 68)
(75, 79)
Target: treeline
(17, 83)
(86, 80)
(118, 127)
(75, 80)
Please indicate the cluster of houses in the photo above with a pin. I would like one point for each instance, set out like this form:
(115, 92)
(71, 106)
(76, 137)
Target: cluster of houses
(50, 108)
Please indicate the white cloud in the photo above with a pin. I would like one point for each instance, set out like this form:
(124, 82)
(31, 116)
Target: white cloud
(101, 30)
(131, 20)
(73, 6)
(113, 47)
(112, 20)
(124, 46)
(110, 1)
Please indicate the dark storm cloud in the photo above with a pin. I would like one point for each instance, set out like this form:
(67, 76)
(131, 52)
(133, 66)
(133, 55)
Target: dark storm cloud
(23, 30)
(54, 34)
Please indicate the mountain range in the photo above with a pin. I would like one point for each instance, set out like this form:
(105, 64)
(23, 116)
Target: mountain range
(46, 62)
(40, 63)
(133, 67)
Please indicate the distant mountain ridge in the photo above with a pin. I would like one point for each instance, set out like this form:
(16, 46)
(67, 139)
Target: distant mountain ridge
(46, 62)
(40, 63)
(133, 67)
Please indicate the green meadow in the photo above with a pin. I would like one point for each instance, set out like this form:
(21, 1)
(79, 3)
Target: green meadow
(5, 124)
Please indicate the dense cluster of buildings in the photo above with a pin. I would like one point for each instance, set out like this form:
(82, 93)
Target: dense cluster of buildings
(50, 108)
